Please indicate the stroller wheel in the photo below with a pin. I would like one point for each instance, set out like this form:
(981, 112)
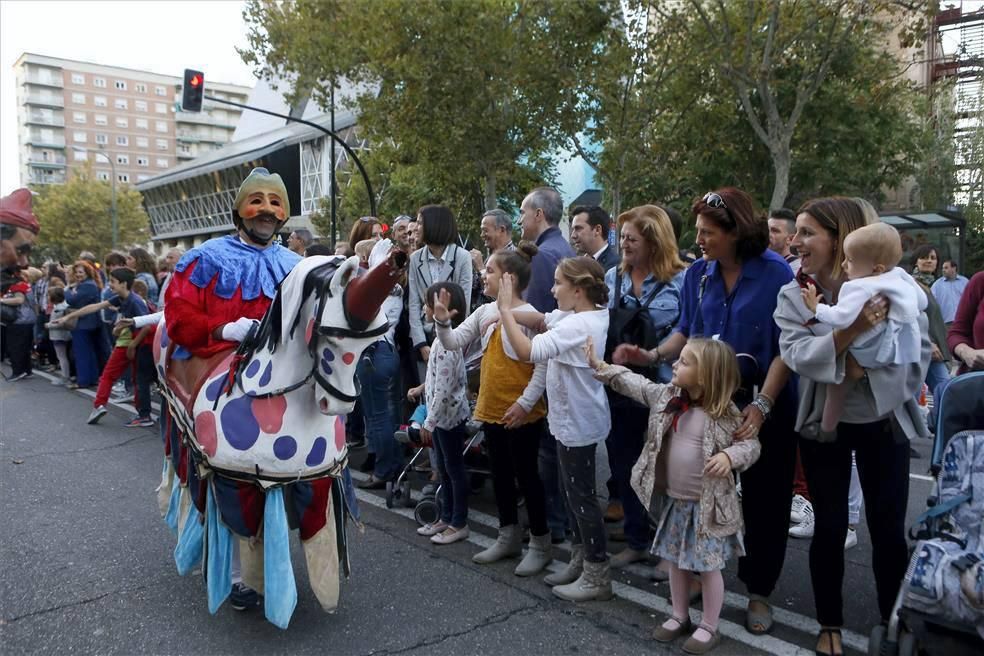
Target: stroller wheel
(391, 491)
(406, 498)
(427, 511)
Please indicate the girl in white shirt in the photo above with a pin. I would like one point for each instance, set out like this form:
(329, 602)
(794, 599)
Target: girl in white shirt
(577, 411)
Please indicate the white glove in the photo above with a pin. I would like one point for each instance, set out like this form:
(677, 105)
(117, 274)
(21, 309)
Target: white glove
(238, 329)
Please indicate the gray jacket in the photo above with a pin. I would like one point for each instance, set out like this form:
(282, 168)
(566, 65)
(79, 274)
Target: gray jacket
(809, 351)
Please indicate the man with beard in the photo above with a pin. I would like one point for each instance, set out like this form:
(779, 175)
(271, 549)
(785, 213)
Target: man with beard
(18, 229)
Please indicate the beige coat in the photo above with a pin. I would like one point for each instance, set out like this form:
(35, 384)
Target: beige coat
(720, 509)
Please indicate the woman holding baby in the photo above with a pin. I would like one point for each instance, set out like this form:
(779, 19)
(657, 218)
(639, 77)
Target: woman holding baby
(845, 405)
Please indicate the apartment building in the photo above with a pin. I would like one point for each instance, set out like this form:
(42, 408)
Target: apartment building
(124, 122)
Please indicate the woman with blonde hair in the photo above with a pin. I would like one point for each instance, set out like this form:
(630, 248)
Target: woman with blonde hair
(649, 277)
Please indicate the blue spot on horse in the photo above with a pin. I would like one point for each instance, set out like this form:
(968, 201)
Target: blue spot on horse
(239, 426)
(285, 447)
(267, 374)
(214, 388)
(317, 454)
(253, 367)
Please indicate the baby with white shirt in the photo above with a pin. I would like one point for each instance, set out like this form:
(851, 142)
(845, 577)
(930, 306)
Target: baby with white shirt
(871, 256)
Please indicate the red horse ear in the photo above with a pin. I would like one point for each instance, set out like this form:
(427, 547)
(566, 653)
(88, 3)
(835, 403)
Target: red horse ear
(364, 295)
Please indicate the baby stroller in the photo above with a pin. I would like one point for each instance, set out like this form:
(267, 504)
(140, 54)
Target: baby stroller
(940, 606)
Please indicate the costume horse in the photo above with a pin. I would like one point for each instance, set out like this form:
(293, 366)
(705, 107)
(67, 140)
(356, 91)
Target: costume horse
(255, 437)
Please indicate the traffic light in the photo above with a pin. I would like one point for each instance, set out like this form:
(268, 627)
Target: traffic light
(193, 91)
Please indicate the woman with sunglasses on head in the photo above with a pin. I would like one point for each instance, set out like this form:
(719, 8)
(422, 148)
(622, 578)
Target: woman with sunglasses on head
(730, 295)
(878, 419)
(367, 227)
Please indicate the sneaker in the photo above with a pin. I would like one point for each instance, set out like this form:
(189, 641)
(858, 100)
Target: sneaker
(140, 422)
(429, 530)
(804, 529)
(96, 414)
(23, 376)
(450, 535)
(800, 509)
(852, 539)
(242, 597)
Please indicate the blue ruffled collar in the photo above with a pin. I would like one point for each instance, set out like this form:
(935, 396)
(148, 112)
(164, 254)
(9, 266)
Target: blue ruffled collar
(239, 266)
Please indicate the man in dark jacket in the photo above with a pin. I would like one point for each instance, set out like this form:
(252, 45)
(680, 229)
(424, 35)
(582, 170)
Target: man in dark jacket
(590, 227)
(540, 216)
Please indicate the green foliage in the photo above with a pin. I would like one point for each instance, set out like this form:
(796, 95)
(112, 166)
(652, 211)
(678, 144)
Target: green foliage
(76, 217)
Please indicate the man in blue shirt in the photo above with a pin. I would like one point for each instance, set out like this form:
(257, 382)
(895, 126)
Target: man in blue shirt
(948, 290)
(540, 215)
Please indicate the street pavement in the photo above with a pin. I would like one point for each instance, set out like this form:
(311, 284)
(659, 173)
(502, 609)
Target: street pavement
(86, 567)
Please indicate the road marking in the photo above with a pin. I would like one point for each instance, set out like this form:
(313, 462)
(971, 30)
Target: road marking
(129, 407)
(766, 643)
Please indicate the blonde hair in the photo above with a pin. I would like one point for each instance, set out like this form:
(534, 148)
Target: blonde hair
(364, 248)
(653, 223)
(585, 273)
(879, 243)
(717, 374)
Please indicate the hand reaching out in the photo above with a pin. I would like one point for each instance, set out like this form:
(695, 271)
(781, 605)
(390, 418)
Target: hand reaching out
(631, 354)
(809, 294)
(505, 297)
(441, 300)
(589, 354)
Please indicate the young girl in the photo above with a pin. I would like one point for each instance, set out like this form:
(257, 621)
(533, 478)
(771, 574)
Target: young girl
(511, 410)
(578, 413)
(446, 398)
(690, 453)
(59, 336)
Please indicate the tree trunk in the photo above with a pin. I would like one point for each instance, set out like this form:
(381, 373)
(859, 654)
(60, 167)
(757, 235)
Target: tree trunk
(781, 159)
(490, 196)
(616, 199)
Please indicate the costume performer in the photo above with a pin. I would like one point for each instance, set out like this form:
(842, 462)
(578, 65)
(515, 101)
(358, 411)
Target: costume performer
(235, 481)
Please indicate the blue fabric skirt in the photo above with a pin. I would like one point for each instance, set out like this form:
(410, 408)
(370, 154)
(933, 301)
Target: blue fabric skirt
(677, 542)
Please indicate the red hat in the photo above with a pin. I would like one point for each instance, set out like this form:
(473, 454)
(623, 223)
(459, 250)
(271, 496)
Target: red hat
(15, 210)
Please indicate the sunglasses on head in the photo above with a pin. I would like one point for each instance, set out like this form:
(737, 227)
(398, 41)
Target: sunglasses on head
(367, 219)
(714, 200)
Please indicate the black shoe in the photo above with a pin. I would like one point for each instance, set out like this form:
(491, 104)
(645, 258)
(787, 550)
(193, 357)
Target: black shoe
(369, 464)
(242, 597)
(355, 441)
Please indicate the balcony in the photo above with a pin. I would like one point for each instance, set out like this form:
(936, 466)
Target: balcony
(187, 137)
(45, 101)
(202, 119)
(55, 163)
(54, 81)
(39, 141)
(40, 119)
(186, 155)
(38, 177)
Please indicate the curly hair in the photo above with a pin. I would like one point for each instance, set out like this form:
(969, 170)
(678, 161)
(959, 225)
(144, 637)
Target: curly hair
(144, 261)
(586, 274)
(654, 224)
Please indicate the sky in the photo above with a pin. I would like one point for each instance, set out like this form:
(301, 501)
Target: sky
(161, 37)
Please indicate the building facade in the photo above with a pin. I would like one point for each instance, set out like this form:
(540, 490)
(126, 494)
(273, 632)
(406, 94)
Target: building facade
(123, 122)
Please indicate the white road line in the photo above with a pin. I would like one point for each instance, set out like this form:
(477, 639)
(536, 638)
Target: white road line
(654, 602)
(88, 392)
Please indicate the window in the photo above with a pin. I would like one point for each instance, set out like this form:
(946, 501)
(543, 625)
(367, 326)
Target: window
(78, 98)
(143, 142)
(79, 136)
(162, 144)
(142, 123)
(102, 139)
(122, 122)
(160, 108)
(101, 119)
(122, 159)
(78, 78)
(78, 117)
(120, 103)
(80, 155)
(140, 87)
(160, 91)
(140, 105)
(122, 140)
(123, 177)
(184, 148)
(120, 85)
(143, 161)
(99, 101)
(161, 126)
(99, 82)
(102, 176)
(162, 162)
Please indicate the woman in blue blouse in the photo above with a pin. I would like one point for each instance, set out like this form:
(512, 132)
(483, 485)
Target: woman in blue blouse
(730, 294)
(89, 346)
(651, 271)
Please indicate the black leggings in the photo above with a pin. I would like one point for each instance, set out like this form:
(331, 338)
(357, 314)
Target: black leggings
(513, 457)
(20, 341)
(883, 467)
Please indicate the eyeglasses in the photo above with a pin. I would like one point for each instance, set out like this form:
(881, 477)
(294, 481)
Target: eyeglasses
(714, 200)
(368, 219)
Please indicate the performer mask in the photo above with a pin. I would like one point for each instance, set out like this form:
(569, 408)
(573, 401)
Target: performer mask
(261, 206)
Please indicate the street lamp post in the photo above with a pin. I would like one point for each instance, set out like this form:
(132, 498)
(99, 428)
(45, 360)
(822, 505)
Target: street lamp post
(112, 192)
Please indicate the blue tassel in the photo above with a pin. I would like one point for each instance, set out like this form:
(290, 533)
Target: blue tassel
(171, 517)
(280, 590)
(219, 573)
(188, 551)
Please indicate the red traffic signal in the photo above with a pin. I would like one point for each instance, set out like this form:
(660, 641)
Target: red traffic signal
(193, 91)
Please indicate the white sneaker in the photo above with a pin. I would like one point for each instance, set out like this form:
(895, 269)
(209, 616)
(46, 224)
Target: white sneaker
(852, 539)
(96, 414)
(800, 509)
(804, 529)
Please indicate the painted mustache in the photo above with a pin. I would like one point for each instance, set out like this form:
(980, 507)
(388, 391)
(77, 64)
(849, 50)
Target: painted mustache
(265, 216)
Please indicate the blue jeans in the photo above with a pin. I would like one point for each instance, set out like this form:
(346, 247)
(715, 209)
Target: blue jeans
(91, 350)
(376, 369)
(449, 446)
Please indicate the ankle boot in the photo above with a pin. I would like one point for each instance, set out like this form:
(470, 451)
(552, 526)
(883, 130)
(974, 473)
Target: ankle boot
(593, 584)
(538, 555)
(570, 573)
(507, 545)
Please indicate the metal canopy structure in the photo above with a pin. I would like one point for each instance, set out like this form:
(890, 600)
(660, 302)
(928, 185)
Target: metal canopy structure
(945, 229)
(923, 220)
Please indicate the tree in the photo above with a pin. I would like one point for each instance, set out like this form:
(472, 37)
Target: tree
(75, 217)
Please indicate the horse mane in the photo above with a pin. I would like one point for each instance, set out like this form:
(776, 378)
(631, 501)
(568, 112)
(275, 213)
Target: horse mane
(270, 333)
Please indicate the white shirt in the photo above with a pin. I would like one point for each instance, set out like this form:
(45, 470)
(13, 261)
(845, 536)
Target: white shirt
(445, 389)
(577, 408)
